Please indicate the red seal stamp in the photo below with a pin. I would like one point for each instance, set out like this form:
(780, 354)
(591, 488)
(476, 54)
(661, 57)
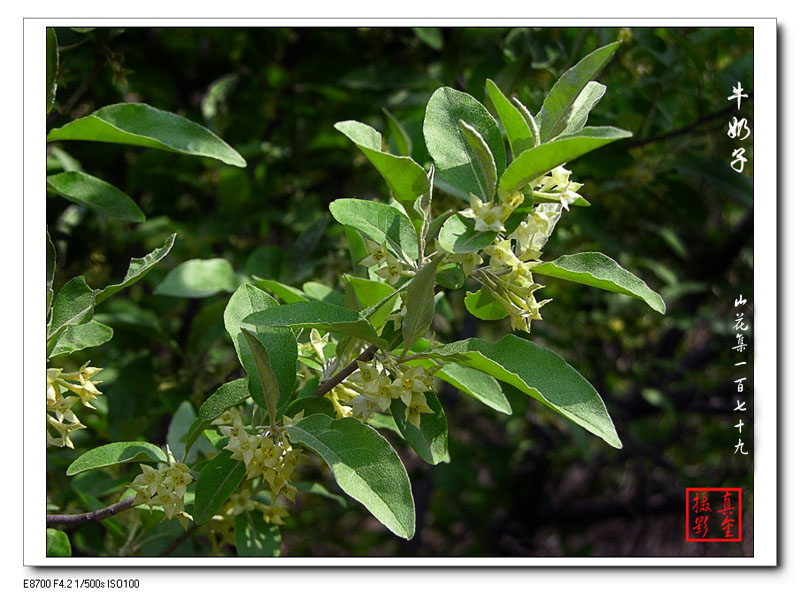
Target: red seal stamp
(713, 514)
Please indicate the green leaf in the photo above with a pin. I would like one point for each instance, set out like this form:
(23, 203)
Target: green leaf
(73, 305)
(280, 344)
(484, 306)
(323, 293)
(379, 222)
(80, 337)
(406, 179)
(529, 121)
(447, 144)
(319, 315)
(255, 537)
(540, 160)
(369, 293)
(51, 71)
(198, 278)
(477, 384)
(431, 36)
(451, 276)
(269, 385)
(182, 421)
(287, 293)
(310, 405)
(398, 133)
(116, 453)
(365, 466)
(94, 193)
(539, 373)
(420, 303)
(586, 101)
(484, 158)
(598, 270)
(458, 236)
(51, 270)
(143, 125)
(557, 108)
(138, 268)
(221, 476)
(517, 130)
(57, 541)
(430, 440)
(226, 396)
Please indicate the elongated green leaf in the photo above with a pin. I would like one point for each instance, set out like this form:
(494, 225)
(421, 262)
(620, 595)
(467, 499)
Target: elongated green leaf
(80, 337)
(179, 426)
(557, 107)
(598, 270)
(255, 537)
(529, 120)
(430, 440)
(584, 103)
(458, 235)
(477, 384)
(51, 270)
(419, 302)
(226, 396)
(51, 70)
(517, 130)
(537, 161)
(287, 293)
(323, 293)
(484, 159)
(369, 293)
(365, 466)
(379, 222)
(116, 453)
(319, 315)
(454, 157)
(215, 483)
(280, 343)
(94, 193)
(484, 306)
(57, 541)
(539, 373)
(73, 305)
(198, 278)
(269, 385)
(138, 268)
(143, 125)
(405, 178)
(398, 134)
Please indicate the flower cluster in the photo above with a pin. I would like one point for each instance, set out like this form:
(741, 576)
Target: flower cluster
(269, 455)
(244, 501)
(372, 387)
(508, 277)
(64, 390)
(163, 487)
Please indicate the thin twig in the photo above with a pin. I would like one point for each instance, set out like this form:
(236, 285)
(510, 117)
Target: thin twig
(97, 515)
(683, 130)
(179, 540)
(327, 386)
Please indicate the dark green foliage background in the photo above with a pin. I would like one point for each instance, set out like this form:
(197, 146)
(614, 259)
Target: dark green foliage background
(665, 204)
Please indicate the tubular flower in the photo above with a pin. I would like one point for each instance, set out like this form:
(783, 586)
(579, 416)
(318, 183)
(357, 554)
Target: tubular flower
(487, 216)
(392, 271)
(416, 406)
(376, 254)
(64, 390)
(557, 186)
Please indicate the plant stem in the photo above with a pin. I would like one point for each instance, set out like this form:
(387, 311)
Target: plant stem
(327, 386)
(97, 515)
